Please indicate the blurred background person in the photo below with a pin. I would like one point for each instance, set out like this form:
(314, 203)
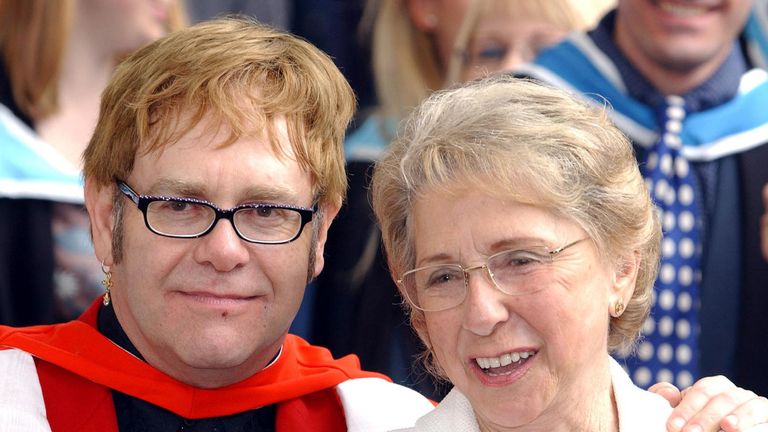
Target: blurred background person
(55, 59)
(414, 44)
(684, 90)
(497, 35)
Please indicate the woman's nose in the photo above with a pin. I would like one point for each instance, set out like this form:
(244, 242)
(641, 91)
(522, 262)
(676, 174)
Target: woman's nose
(484, 306)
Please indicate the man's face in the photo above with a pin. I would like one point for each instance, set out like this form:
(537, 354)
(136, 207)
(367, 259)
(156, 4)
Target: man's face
(212, 310)
(679, 37)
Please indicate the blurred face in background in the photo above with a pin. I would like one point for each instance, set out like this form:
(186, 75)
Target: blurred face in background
(473, 38)
(665, 38)
(505, 38)
(124, 25)
(441, 19)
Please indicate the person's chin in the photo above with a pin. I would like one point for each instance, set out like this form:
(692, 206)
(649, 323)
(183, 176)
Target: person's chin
(219, 349)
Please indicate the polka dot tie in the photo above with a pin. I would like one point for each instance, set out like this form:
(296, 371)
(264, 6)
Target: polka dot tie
(669, 349)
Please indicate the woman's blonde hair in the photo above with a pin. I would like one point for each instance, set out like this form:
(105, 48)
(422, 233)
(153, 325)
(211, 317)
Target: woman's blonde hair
(405, 64)
(506, 135)
(33, 35)
(32, 38)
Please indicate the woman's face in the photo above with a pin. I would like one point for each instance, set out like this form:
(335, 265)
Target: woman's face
(558, 333)
(505, 39)
(441, 19)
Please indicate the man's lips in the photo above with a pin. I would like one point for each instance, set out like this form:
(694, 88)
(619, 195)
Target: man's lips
(214, 298)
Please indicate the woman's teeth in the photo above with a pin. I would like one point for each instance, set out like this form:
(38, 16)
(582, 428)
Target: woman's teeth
(503, 360)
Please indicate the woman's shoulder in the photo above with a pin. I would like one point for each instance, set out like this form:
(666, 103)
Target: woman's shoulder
(21, 399)
(453, 413)
(639, 410)
(377, 404)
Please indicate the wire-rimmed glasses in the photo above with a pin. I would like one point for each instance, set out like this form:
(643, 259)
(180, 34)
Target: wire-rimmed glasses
(177, 217)
(439, 287)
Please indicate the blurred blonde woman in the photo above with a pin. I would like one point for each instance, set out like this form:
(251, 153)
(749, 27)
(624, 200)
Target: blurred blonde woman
(415, 45)
(486, 42)
(55, 59)
(416, 42)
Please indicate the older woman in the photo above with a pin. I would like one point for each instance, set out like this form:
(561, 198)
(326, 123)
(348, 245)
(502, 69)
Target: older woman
(520, 231)
(418, 46)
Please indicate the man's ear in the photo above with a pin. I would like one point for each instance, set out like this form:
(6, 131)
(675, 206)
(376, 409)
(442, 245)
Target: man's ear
(329, 212)
(422, 13)
(99, 200)
(624, 282)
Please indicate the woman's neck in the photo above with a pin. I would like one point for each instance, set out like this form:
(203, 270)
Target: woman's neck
(586, 405)
(86, 69)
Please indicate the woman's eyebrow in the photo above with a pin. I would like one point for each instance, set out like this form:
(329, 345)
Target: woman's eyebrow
(439, 258)
(497, 246)
(516, 243)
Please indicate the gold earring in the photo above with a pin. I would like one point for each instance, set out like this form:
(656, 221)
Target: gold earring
(618, 308)
(107, 283)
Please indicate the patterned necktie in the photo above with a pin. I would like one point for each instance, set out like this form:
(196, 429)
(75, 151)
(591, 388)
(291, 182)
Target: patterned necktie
(669, 351)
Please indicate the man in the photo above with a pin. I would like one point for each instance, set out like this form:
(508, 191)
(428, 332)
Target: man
(224, 120)
(648, 55)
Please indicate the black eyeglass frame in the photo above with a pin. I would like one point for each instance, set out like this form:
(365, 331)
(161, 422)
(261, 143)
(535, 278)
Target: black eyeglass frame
(143, 202)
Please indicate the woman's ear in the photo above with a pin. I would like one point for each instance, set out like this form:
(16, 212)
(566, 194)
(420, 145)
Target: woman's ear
(99, 201)
(624, 281)
(422, 13)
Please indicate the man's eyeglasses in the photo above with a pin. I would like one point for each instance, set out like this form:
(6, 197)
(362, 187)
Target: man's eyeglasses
(444, 286)
(187, 218)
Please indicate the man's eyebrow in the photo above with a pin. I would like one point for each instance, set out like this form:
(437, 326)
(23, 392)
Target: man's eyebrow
(167, 186)
(256, 193)
(272, 194)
